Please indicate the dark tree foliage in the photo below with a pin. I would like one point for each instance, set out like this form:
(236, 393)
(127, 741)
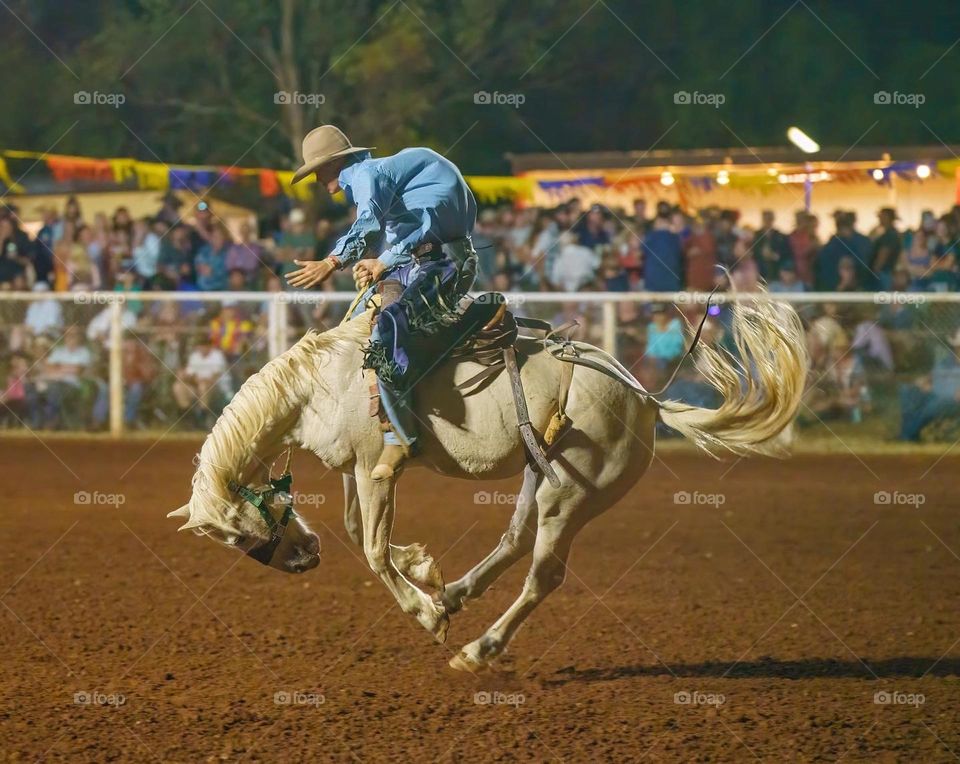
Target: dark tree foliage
(200, 77)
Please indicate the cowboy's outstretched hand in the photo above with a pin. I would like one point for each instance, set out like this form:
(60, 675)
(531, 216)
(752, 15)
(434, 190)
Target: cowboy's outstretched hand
(367, 272)
(311, 272)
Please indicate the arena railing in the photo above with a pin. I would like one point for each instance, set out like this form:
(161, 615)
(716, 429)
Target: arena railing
(282, 328)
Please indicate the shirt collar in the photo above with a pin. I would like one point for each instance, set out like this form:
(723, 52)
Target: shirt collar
(345, 179)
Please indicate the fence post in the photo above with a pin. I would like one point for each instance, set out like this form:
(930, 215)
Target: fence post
(610, 327)
(116, 367)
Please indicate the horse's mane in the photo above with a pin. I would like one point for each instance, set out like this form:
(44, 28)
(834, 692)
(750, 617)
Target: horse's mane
(264, 401)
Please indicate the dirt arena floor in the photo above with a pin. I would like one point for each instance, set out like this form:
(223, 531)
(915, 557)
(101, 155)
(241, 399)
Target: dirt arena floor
(798, 620)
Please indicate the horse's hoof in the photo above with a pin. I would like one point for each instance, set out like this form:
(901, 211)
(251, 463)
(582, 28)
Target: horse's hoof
(440, 632)
(463, 662)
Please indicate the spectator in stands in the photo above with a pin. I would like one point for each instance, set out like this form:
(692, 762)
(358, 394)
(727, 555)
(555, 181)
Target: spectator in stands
(932, 397)
(139, 370)
(43, 245)
(169, 211)
(726, 238)
(176, 257)
(849, 280)
(662, 254)
(211, 261)
(64, 371)
(15, 249)
(297, 242)
(593, 232)
(639, 218)
(887, 246)
(700, 258)
(838, 392)
(44, 316)
(789, 281)
(918, 259)
(147, 235)
(804, 245)
(771, 247)
(230, 331)
(18, 405)
(202, 385)
(846, 242)
(575, 266)
(246, 255)
(665, 341)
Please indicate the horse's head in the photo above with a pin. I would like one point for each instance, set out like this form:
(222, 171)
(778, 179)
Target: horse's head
(256, 519)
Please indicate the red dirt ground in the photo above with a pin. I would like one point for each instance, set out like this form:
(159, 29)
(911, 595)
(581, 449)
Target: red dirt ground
(661, 599)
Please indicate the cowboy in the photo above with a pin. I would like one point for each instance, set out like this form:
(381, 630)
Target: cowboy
(420, 204)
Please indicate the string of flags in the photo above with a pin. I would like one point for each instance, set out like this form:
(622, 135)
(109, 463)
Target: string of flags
(157, 176)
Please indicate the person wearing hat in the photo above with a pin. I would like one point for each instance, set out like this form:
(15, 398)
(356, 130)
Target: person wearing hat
(419, 203)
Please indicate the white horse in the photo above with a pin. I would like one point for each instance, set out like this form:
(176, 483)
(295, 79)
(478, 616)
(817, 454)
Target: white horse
(314, 397)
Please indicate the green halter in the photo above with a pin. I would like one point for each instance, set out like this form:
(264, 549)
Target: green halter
(261, 500)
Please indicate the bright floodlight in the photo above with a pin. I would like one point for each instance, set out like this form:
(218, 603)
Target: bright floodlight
(723, 177)
(878, 174)
(923, 171)
(666, 178)
(802, 141)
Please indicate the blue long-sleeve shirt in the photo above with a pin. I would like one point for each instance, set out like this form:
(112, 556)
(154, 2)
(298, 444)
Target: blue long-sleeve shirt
(413, 197)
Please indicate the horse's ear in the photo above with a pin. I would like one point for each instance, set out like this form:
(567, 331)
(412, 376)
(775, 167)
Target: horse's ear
(190, 524)
(183, 511)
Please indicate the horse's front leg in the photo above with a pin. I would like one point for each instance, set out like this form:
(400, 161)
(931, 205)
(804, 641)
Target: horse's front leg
(377, 505)
(411, 560)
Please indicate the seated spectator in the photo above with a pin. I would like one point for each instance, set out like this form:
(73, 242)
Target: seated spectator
(665, 340)
(593, 233)
(933, 397)
(917, 258)
(838, 393)
(64, 372)
(98, 330)
(202, 386)
(139, 370)
(211, 261)
(44, 316)
(18, 404)
(872, 347)
(175, 261)
(788, 282)
(849, 275)
(231, 331)
(15, 251)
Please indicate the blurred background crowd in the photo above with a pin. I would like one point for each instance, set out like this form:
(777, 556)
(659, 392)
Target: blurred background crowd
(891, 361)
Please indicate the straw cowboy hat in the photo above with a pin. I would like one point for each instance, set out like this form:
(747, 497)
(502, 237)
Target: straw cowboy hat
(323, 144)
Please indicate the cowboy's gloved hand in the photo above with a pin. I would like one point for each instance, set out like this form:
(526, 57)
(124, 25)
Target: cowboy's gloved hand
(311, 272)
(367, 272)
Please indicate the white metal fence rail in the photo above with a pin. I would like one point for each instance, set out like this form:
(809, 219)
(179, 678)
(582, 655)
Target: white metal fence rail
(278, 315)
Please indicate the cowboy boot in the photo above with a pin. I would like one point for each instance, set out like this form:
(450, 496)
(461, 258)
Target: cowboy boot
(390, 461)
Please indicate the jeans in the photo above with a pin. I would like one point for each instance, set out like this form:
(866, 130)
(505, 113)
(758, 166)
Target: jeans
(403, 327)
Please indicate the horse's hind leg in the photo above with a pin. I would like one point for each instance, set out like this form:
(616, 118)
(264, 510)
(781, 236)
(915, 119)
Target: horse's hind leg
(514, 544)
(560, 519)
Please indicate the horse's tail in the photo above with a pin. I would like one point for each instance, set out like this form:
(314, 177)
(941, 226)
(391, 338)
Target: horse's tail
(761, 387)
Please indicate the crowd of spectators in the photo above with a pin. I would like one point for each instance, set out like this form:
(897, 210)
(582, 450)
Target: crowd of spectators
(182, 361)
